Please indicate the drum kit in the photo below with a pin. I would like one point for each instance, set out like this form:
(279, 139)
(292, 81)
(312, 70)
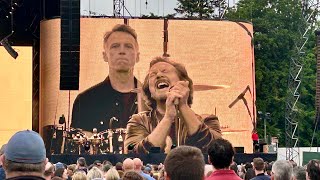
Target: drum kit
(104, 142)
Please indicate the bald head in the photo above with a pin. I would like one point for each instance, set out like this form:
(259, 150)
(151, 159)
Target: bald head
(128, 164)
(137, 164)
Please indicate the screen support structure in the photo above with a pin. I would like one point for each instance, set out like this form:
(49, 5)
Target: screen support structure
(310, 9)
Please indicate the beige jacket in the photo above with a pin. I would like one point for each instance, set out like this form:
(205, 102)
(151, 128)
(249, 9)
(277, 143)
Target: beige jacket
(143, 123)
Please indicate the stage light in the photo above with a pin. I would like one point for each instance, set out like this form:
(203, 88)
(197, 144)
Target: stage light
(5, 43)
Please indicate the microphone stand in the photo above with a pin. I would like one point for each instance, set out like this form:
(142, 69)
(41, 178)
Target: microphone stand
(177, 120)
(110, 133)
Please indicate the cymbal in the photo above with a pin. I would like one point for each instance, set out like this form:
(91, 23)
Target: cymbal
(92, 138)
(232, 131)
(196, 87)
(202, 87)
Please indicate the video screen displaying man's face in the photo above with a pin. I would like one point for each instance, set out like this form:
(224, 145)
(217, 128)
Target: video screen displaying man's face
(218, 56)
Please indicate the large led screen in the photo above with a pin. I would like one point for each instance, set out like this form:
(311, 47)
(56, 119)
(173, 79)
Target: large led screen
(218, 56)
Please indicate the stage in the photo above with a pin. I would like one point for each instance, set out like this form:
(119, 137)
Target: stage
(152, 158)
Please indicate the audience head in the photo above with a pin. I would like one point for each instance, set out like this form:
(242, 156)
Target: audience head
(248, 166)
(119, 166)
(258, 164)
(241, 171)
(61, 172)
(294, 164)
(313, 170)
(269, 168)
(147, 170)
(81, 162)
(106, 168)
(132, 175)
(105, 162)
(221, 154)
(128, 165)
(79, 175)
(49, 170)
(234, 167)
(249, 174)
(112, 174)
(97, 163)
(183, 163)
(282, 170)
(94, 173)
(138, 164)
(299, 173)
(71, 169)
(25, 154)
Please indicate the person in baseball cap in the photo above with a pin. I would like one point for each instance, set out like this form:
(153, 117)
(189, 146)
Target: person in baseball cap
(24, 156)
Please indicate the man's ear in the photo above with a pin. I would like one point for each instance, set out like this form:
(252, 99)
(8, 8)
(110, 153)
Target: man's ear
(209, 160)
(2, 161)
(166, 177)
(104, 55)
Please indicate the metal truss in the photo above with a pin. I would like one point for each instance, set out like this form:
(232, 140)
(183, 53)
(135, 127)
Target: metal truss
(309, 14)
(119, 8)
(219, 7)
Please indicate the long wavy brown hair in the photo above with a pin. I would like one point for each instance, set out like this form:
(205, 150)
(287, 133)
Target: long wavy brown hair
(183, 76)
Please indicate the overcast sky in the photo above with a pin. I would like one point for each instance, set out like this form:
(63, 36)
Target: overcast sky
(135, 7)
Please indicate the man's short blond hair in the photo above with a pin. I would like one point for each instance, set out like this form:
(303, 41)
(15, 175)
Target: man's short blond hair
(121, 28)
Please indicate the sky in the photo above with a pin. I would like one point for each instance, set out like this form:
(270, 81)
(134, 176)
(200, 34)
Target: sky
(134, 7)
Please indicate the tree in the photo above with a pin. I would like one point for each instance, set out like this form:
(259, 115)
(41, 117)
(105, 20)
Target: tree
(195, 8)
(277, 26)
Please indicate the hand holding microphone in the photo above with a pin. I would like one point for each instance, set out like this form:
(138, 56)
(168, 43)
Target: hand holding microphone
(180, 91)
(176, 97)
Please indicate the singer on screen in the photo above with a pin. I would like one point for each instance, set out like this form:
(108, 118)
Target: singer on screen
(171, 122)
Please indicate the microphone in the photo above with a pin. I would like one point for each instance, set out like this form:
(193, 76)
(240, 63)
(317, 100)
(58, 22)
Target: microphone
(115, 119)
(111, 121)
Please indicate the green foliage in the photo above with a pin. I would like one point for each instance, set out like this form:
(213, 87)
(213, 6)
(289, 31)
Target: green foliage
(195, 8)
(277, 26)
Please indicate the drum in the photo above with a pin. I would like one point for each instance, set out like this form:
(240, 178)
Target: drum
(72, 132)
(105, 142)
(95, 141)
(75, 145)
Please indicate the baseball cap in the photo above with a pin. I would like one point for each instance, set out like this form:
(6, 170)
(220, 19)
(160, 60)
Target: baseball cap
(25, 147)
(59, 165)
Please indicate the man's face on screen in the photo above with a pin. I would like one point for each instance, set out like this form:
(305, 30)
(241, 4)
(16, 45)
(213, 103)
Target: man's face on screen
(161, 77)
(121, 51)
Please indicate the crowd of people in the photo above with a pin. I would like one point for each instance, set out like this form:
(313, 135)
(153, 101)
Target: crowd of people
(24, 157)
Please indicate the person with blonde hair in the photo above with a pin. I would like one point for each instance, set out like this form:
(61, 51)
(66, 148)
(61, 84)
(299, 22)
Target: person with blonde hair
(79, 176)
(94, 173)
(112, 174)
